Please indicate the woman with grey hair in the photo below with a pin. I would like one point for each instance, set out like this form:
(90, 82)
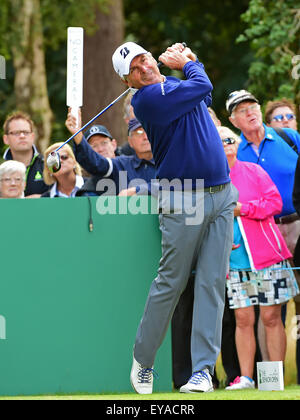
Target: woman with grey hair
(12, 179)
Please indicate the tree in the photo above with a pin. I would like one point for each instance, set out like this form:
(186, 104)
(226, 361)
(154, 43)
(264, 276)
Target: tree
(29, 29)
(101, 83)
(273, 28)
(208, 27)
(30, 82)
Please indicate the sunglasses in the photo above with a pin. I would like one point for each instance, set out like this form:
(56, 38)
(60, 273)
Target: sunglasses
(228, 141)
(64, 157)
(281, 117)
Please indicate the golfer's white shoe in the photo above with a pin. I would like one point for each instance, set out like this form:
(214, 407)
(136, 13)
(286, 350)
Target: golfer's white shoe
(243, 382)
(198, 382)
(141, 378)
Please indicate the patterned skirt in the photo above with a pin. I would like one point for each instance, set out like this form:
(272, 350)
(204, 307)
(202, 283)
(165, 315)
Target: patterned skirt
(273, 285)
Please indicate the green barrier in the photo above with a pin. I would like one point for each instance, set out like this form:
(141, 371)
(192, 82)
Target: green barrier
(71, 300)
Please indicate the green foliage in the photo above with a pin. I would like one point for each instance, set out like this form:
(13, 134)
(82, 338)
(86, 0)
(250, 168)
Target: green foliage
(208, 27)
(273, 29)
(57, 16)
(6, 16)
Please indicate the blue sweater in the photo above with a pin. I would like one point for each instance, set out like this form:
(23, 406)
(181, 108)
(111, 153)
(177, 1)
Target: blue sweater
(184, 140)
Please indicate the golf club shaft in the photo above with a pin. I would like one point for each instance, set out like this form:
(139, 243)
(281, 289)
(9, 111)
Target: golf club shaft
(93, 119)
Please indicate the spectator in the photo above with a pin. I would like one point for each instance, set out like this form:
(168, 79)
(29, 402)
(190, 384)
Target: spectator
(281, 114)
(19, 136)
(296, 189)
(12, 179)
(135, 167)
(277, 154)
(259, 271)
(278, 115)
(68, 180)
(101, 141)
(296, 201)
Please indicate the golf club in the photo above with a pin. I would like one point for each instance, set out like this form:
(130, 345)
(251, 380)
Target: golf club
(53, 160)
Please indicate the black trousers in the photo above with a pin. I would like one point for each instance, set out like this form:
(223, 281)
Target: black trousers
(181, 340)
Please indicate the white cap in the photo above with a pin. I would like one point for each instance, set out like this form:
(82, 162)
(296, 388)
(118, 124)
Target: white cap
(123, 56)
(237, 97)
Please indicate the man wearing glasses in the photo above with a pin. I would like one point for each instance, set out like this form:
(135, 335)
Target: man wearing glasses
(19, 136)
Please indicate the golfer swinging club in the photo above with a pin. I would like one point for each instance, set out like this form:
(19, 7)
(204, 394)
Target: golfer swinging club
(185, 146)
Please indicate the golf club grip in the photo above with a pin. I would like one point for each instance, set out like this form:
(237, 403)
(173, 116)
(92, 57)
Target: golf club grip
(159, 64)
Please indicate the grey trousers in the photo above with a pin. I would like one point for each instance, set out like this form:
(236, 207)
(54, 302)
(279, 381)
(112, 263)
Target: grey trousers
(205, 248)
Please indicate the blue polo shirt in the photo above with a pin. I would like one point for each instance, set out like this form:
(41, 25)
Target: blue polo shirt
(278, 159)
(136, 171)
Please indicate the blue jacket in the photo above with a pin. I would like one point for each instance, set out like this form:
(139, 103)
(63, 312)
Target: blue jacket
(184, 140)
(133, 169)
(278, 159)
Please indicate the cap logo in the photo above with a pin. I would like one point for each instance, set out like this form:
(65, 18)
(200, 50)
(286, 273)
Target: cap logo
(124, 52)
(94, 130)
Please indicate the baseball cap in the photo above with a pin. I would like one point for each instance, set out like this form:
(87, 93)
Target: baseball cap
(133, 125)
(238, 96)
(97, 129)
(123, 56)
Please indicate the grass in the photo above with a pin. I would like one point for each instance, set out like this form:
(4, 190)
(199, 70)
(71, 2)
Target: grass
(291, 392)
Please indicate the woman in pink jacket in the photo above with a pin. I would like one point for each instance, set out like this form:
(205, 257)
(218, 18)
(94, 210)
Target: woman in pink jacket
(259, 271)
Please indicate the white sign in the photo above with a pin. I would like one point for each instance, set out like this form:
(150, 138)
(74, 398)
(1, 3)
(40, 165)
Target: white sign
(270, 376)
(2, 67)
(2, 328)
(75, 69)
